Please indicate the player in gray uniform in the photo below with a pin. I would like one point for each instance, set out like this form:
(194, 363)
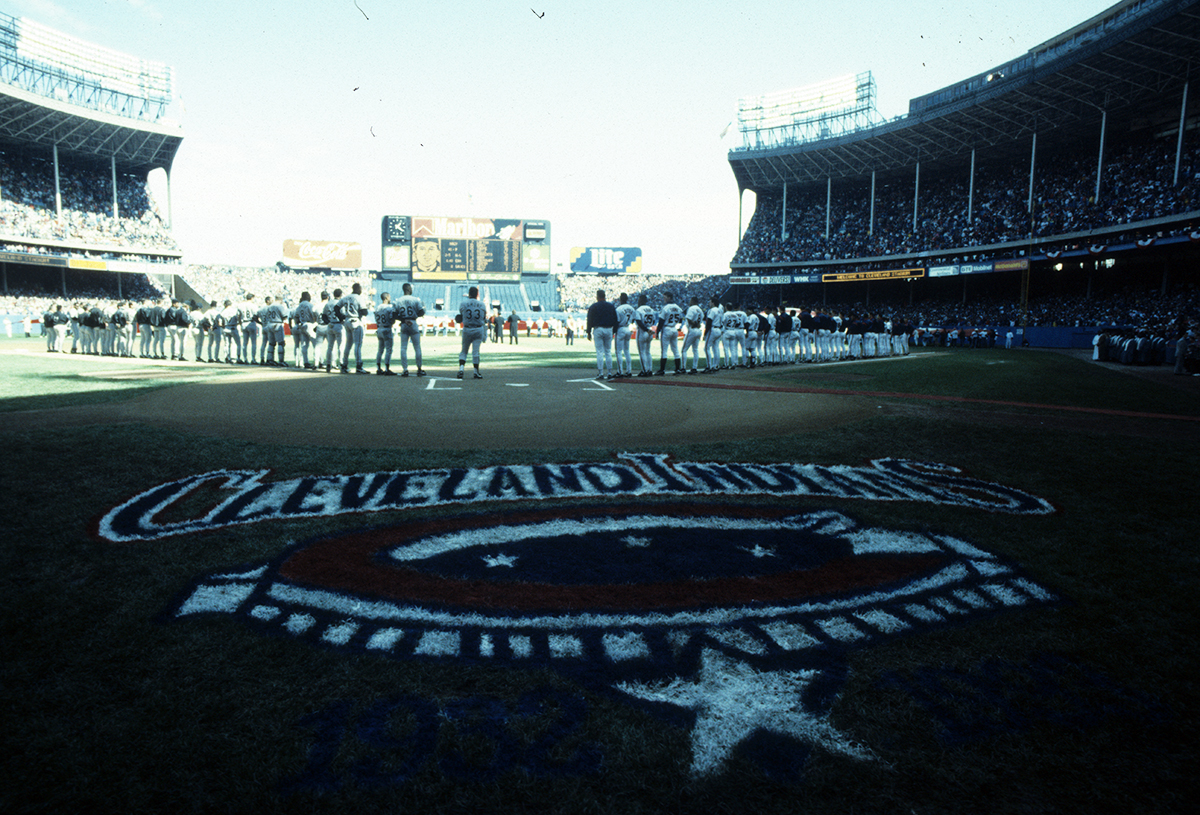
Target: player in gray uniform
(274, 316)
(250, 318)
(626, 314)
(694, 325)
(473, 318)
(645, 319)
(385, 318)
(354, 308)
(304, 319)
(409, 310)
(753, 337)
(333, 321)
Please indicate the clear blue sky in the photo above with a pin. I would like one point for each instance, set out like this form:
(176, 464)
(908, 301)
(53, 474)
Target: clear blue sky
(314, 119)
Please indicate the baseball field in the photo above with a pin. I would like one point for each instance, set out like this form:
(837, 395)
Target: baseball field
(958, 581)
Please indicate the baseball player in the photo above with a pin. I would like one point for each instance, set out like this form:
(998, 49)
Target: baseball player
(626, 314)
(601, 322)
(274, 316)
(669, 320)
(158, 317)
(304, 319)
(694, 320)
(354, 308)
(332, 319)
(753, 337)
(645, 318)
(251, 320)
(231, 319)
(473, 318)
(713, 331)
(734, 327)
(385, 317)
(409, 310)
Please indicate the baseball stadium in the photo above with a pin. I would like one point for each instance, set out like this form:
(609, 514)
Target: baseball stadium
(474, 531)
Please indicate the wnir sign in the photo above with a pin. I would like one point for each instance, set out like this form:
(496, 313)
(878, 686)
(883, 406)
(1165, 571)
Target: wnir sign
(246, 497)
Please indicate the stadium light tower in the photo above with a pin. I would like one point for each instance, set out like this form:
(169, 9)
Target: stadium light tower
(815, 112)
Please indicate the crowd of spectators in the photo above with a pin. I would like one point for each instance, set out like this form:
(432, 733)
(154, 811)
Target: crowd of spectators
(28, 209)
(578, 291)
(1137, 184)
(220, 283)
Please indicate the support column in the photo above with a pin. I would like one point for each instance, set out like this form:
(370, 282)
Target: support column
(971, 190)
(916, 194)
(1179, 141)
(871, 225)
(783, 216)
(828, 203)
(57, 188)
(1032, 165)
(1100, 160)
(116, 207)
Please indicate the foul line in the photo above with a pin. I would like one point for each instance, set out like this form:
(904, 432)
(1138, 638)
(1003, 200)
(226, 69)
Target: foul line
(886, 394)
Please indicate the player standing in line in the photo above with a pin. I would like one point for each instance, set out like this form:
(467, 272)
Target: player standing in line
(211, 319)
(694, 319)
(601, 322)
(752, 337)
(251, 321)
(645, 318)
(783, 328)
(385, 318)
(409, 309)
(331, 318)
(734, 325)
(713, 330)
(303, 319)
(626, 314)
(354, 308)
(274, 316)
(158, 316)
(669, 320)
(230, 322)
(473, 318)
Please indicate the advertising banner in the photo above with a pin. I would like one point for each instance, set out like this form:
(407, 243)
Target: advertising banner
(323, 254)
(606, 259)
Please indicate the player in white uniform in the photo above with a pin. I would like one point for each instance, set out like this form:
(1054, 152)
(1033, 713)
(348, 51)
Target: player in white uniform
(473, 317)
(694, 325)
(753, 337)
(625, 317)
(669, 320)
(409, 309)
(734, 325)
(354, 308)
(645, 318)
(713, 331)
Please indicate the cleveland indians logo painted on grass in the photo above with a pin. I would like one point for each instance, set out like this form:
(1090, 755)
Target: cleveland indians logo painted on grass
(735, 619)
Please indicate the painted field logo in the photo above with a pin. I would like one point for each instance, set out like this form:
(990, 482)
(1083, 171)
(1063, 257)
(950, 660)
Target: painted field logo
(737, 619)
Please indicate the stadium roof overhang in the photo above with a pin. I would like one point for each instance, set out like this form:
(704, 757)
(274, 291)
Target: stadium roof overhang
(27, 119)
(1135, 74)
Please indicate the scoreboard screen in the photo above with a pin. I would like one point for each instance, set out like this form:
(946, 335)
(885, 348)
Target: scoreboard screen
(450, 249)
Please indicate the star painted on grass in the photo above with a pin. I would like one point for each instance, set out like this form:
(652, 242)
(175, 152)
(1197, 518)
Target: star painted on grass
(500, 560)
(759, 551)
(732, 701)
(634, 542)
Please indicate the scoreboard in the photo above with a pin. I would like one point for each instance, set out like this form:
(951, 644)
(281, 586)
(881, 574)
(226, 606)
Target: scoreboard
(439, 248)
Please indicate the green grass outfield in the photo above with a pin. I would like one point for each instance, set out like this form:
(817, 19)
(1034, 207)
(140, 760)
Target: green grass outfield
(1086, 702)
